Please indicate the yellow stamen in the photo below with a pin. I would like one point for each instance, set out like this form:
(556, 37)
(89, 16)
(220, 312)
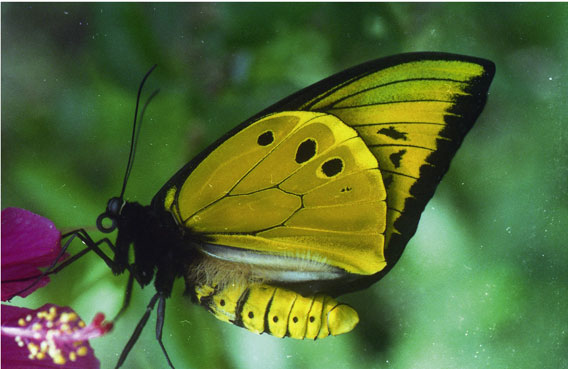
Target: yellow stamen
(59, 359)
(82, 351)
(33, 349)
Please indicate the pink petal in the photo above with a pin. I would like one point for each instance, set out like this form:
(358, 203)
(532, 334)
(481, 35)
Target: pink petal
(29, 241)
(31, 337)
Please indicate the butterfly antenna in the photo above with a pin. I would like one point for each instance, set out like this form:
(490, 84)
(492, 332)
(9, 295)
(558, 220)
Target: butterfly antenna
(134, 134)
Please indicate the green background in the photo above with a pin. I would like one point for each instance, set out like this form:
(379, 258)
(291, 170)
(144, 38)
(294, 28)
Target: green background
(483, 284)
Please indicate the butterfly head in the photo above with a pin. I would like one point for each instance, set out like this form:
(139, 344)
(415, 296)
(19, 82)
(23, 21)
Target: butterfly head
(113, 209)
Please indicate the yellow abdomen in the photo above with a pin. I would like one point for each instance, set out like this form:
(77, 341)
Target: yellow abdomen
(280, 312)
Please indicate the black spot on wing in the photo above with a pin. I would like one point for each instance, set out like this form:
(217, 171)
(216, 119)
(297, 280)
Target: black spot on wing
(396, 157)
(332, 167)
(393, 133)
(266, 138)
(387, 180)
(306, 151)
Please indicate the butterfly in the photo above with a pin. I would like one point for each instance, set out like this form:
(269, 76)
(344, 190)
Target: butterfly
(314, 197)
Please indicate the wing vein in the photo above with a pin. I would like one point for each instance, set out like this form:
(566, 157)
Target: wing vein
(389, 103)
(395, 123)
(402, 145)
(331, 106)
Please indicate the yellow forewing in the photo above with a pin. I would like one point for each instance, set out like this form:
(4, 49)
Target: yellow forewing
(403, 113)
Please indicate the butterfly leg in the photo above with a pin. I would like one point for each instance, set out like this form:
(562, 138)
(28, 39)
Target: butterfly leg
(142, 323)
(55, 268)
(127, 296)
(136, 334)
(95, 246)
(160, 319)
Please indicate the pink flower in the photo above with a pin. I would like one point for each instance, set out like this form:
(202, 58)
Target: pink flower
(29, 242)
(51, 336)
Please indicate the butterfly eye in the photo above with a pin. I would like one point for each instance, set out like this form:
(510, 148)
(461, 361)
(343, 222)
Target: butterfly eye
(306, 151)
(332, 167)
(266, 138)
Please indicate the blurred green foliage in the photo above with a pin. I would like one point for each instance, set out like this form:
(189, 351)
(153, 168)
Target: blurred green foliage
(483, 284)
